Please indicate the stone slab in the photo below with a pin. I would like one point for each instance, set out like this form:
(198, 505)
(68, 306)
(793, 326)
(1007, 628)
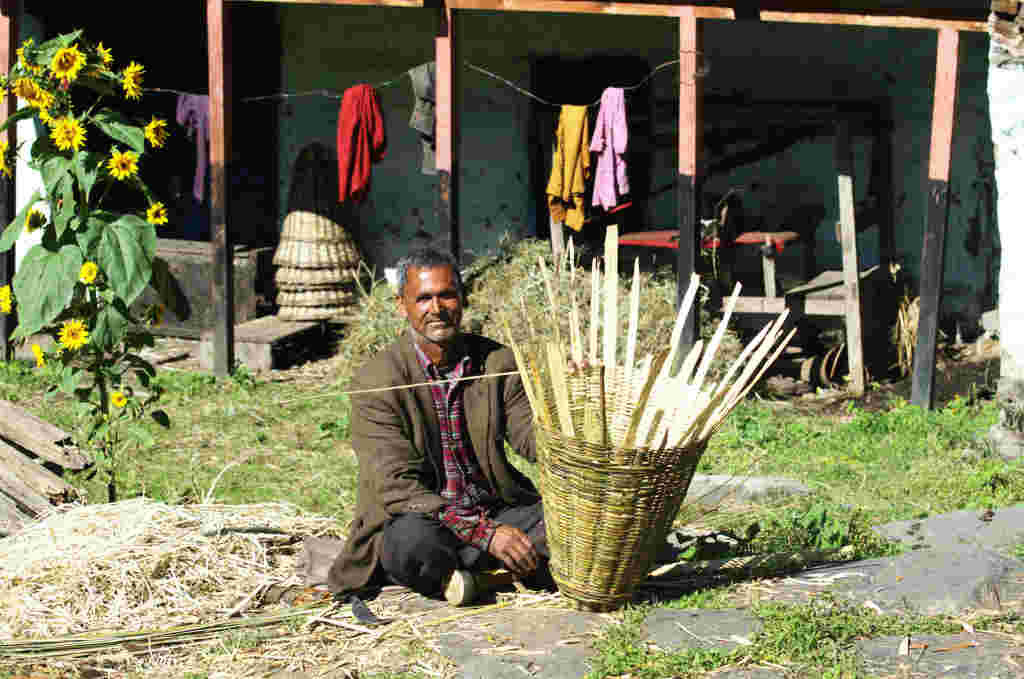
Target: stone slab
(712, 489)
(963, 656)
(544, 644)
(957, 531)
(679, 629)
(257, 342)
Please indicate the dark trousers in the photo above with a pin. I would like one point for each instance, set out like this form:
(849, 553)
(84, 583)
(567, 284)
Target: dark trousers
(420, 552)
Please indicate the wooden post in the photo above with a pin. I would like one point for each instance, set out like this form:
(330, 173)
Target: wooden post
(932, 249)
(557, 240)
(768, 267)
(689, 155)
(222, 287)
(447, 170)
(851, 266)
(9, 11)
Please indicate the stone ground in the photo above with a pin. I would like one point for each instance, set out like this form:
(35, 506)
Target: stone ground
(956, 564)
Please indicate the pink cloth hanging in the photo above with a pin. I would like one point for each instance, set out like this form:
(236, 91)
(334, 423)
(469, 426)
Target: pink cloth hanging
(193, 113)
(609, 141)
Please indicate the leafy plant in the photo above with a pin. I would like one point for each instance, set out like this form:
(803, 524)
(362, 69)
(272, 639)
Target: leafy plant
(95, 257)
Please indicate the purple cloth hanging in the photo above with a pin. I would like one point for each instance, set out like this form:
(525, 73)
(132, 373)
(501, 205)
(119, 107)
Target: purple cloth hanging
(194, 115)
(609, 141)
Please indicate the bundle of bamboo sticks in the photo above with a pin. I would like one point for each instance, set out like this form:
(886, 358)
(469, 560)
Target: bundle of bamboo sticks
(663, 401)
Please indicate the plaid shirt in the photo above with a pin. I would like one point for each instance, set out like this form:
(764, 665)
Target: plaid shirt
(469, 494)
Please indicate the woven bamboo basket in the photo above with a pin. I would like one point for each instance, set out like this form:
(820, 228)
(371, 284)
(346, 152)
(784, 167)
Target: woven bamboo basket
(316, 255)
(618, 440)
(288, 277)
(309, 226)
(316, 298)
(310, 313)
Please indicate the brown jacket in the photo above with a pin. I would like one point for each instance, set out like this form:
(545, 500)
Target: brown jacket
(397, 438)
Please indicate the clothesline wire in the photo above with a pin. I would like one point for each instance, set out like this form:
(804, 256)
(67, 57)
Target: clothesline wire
(323, 92)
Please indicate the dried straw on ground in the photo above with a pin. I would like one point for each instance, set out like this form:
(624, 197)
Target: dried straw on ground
(141, 564)
(620, 439)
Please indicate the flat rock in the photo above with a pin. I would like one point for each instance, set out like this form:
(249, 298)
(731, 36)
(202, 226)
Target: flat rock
(964, 656)
(960, 531)
(678, 629)
(712, 489)
(544, 644)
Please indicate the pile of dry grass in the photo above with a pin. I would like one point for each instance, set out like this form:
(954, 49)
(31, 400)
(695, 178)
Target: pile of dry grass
(140, 564)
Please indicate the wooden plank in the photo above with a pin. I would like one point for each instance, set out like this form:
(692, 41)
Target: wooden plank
(267, 330)
(12, 519)
(36, 476)
(688, 192)
(364, 3)
(848, 243)
(776, 305)
(446, 131)
(222, 286)
(873, 20)
(1005, 6)
(933, 246)
(8, 44)
(39, 436)
(768, 268)
(25, 497)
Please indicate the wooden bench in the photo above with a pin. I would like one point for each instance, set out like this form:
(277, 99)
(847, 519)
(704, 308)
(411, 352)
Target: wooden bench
(258, 342)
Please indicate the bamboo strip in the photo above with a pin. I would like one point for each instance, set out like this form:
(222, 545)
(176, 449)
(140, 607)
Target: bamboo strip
(595, 310)
(677, 328)
(716, 339)
(611, 302)
(556, 366)
(634, 320)
(552, 301)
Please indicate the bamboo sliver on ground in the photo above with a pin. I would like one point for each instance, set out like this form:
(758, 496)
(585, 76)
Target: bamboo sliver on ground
(619, 437)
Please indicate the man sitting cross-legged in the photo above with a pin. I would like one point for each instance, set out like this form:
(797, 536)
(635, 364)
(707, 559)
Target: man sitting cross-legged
(437, 493)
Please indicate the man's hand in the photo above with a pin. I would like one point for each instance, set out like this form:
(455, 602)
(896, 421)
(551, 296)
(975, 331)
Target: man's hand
(511, 546)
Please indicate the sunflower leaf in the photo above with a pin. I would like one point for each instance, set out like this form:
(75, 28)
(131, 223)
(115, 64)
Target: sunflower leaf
(89, 237)
(125, 252)
(110, 327)
(14, 229)
(44, 285)
(121, 128)
(86, 165)
(47, 50)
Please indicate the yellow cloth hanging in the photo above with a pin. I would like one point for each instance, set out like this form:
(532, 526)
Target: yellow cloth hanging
(570, 167)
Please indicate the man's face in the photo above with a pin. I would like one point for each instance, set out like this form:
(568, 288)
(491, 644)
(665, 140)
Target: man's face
(431, 304)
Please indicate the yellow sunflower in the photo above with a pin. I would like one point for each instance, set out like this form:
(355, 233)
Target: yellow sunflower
(25, 88)
(156, 132)
(21, 56)
(73, 334)
(123, 164)
(38, 352)
(5, 167)
(157, 213)
(105, 54)
(33, 220)
(45, 117)
(6, 301)
(118, 399)
(132, 80)
(66, 63)
(87, 274)
(67, 133)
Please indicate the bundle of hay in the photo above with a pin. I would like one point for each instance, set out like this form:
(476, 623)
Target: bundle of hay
(318, 260)
(619, 440)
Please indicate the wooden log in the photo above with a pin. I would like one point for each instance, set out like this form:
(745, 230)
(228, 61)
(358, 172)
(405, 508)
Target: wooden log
(933, 246)
(222, 285)
(690, 123)
(851, 278)
(36, 476)
(23, 495)
(39, 436)
(12, 519)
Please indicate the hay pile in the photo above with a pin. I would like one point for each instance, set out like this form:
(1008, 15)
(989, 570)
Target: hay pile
(141, 564)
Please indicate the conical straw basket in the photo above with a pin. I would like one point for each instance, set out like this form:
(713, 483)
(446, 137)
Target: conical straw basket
(618, 441)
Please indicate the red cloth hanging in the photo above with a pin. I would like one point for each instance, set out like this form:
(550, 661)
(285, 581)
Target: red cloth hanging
(360, 141)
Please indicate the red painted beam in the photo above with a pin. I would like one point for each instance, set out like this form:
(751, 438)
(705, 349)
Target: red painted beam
(9, 11)
(933, 247)
(222, 286)
(688, 187)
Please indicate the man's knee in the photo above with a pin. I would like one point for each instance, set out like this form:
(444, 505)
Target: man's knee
(419, 552)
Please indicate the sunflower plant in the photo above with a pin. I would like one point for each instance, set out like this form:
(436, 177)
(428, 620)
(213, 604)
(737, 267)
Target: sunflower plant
(97, 254)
